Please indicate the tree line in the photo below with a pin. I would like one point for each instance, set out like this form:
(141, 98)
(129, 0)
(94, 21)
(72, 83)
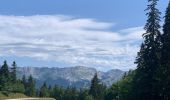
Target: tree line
(151, 79)
(10, 83)
(8, 79)
(27, 85)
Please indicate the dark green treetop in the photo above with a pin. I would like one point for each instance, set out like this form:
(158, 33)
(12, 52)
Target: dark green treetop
(165, 59)
(148, 59)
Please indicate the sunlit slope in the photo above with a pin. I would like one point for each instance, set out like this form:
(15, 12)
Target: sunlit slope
(18, 96)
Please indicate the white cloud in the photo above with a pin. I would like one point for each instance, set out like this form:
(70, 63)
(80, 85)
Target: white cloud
(75, 41)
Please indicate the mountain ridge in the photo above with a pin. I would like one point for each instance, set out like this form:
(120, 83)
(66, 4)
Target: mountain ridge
(78, 76)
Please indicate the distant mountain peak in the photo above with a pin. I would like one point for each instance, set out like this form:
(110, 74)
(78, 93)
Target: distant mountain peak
(78, 76)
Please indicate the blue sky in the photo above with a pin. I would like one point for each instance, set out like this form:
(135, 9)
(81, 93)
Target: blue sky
(117, 11)
(104, 34)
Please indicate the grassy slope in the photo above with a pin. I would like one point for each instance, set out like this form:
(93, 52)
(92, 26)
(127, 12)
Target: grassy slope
(11, 95)
(3, 96)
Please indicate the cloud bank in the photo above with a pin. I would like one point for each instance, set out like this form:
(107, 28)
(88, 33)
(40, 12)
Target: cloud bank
(75, 41)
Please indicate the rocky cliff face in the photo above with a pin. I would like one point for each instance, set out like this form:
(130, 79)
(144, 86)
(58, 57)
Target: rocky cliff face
(72, 76)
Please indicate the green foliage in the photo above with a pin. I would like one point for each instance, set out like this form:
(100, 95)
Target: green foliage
(145, 81)
(30, 87)
(94, 87)
(12, 84)
(13, 73)
(83, 95)
(164, 71)
(8, 80)
(57, 93)
(24, 81)
(70, 94)
(17, 87)
(44, 91)
(97, 90)
(150, 81)
(4, 76)
(122, 89)
(88, 97)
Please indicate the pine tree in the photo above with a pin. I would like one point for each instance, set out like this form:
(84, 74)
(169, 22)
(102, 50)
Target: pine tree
(165, 60)
(82, 94)
(5, 71)
(5, 77)
(24, 80)
(94, 85)
(70, 94)
(44, 92)
(97, 90)
(1, 81)
(13, 73)
(30, 87)
(57, 93)
(148, 61)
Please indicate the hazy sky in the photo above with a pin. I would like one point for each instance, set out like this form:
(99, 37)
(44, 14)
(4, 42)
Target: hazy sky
(104, 34)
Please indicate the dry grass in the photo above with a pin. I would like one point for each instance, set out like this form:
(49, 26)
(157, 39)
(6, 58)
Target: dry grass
(31, 99)
(4, 95)
(19, 96)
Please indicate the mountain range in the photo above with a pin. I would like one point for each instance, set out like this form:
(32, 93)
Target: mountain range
(79, 76)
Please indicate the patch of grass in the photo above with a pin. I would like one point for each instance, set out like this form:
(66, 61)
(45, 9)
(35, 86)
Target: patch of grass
(31, 99)
(7, 95)
(43, 99)
(2, 94)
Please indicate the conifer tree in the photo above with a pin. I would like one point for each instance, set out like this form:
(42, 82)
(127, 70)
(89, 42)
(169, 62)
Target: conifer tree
(13, 73)
(94, 85)
(30, 87)
(5, 71)
(24, 80)
(44, 91)
(57, 93)
(1, 81)
(97, 89)
(148, 60)
(83, 95)
(5, 76)
(165, 60)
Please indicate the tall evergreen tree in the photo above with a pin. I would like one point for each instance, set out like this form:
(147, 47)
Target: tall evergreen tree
(70, 94)
(24, 80)
(165, 60)
(94, 85)
(97, 90)
(44, 92)
(30, 87)
(57, 93)
(5, 76)
(1, 81)
(83, 95)
(13, 73)
(5, 70)
(148, 61)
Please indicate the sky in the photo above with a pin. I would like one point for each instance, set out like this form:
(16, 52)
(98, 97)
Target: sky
(103, 34)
